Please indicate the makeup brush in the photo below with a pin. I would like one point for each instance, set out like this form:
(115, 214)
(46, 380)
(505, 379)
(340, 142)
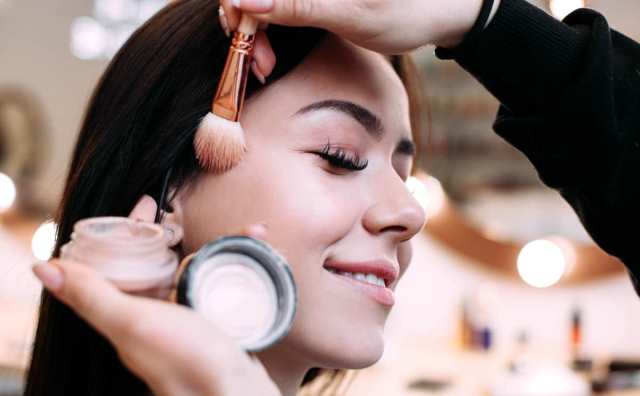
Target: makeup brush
(219, 141)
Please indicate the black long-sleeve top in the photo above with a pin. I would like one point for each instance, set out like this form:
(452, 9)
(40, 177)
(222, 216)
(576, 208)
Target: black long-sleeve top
(570, 101)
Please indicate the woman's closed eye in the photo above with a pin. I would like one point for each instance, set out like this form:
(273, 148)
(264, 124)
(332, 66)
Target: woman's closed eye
(339, 158)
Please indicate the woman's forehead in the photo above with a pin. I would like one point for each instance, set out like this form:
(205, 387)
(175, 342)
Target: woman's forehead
(338, 70)
(339, 61)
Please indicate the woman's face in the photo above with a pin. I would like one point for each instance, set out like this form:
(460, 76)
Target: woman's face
(340, 99)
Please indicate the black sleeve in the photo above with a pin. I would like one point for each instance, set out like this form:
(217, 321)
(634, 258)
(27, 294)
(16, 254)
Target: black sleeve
(570, 101)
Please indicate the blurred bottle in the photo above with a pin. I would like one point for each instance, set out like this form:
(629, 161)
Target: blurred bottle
(575, 336)
(465, 326)
(581, 364)
(475, 328)
(520, 355)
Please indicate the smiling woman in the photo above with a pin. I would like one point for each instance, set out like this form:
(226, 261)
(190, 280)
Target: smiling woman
(329, 150)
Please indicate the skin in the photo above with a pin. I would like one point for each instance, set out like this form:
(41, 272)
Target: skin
(170, 347)
(385, 26)
(344, 215)
(313, 211)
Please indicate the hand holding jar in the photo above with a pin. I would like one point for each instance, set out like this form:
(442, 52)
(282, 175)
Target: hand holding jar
(172, 348)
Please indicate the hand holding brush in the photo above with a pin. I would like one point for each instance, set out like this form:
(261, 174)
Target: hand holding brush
(219, 141)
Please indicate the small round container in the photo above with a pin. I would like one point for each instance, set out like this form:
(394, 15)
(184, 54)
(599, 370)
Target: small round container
(134, 255)
(242, 286)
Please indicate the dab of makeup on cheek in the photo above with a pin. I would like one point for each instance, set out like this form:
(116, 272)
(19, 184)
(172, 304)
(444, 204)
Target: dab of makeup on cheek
(238, 283)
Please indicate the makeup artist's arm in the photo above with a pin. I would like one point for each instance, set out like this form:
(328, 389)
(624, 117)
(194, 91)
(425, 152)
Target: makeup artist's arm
(386, 26)
(570, 91)
(570, 95)
(171, 348)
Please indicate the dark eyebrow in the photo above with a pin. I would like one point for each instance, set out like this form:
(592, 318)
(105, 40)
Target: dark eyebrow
(369, 121)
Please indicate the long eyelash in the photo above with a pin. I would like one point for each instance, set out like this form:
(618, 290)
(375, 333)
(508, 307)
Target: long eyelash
(339, 158)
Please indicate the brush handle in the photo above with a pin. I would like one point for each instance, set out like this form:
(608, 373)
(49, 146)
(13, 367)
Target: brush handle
(248, 25)
(229, 97)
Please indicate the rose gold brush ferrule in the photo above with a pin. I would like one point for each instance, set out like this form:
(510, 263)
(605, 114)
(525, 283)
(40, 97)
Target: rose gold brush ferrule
(229, 97)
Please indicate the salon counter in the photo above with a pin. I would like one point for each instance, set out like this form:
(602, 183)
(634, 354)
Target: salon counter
(432, 370)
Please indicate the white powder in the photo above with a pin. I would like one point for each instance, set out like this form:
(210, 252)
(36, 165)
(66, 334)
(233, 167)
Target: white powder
(237, 295)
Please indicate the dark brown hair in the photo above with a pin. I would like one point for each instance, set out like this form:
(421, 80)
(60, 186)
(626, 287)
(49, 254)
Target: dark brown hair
(140, 122)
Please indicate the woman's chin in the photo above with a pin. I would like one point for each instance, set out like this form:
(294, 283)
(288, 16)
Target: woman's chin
(357, 355)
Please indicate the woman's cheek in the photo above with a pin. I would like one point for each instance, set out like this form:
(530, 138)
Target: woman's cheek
(405, 253)
(314, 211)
(300, 192)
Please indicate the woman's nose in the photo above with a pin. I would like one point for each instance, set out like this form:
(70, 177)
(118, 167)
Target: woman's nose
(394, 211)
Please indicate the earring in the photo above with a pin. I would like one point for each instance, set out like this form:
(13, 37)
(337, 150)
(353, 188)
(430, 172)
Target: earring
(173, 233)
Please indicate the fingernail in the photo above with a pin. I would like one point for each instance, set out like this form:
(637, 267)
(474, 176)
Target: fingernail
(236, 3)
(224, 23)
(50, 275)
(258, 74)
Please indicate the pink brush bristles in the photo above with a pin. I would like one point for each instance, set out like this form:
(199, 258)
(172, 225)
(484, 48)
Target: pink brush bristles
(219, 143)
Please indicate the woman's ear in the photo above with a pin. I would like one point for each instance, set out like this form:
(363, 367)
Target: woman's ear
(173, 218)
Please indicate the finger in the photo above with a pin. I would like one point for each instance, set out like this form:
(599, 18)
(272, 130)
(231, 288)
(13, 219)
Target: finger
(257, 6)
(320, 13)
(232, 14)
(224, 23)
(257, 231)
(92, 297)
(145, 209)
(257, 72)
(160, 291)
(263, 54)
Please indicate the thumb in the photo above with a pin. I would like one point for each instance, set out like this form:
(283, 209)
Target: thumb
(145, 209)
(90, 295)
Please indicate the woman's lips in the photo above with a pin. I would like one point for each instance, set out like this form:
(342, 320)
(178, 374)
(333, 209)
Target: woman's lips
(383, 295)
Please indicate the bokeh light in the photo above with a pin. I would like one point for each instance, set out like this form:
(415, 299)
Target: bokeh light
(44, 240)
(112, 22)
(7, 192)
(541, 263)
(89, 39)
(562, 8)
(428, 192)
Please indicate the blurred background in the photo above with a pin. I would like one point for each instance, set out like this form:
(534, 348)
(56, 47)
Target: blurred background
(506, 295)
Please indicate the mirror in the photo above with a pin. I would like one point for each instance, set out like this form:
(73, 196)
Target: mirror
(23, 142)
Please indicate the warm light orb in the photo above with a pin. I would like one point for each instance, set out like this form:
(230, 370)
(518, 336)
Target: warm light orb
(419, 191)
(562, 8)
(44, 240)
(541, 263)
(89, 39)
(428, 192)
(7, 192)
(112, 22)
(436, 195)
(115, 11)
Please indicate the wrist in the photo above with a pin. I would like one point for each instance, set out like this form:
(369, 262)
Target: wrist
(466, 18)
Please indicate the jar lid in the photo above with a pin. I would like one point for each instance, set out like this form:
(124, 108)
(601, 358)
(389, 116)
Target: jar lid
(244, 287)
